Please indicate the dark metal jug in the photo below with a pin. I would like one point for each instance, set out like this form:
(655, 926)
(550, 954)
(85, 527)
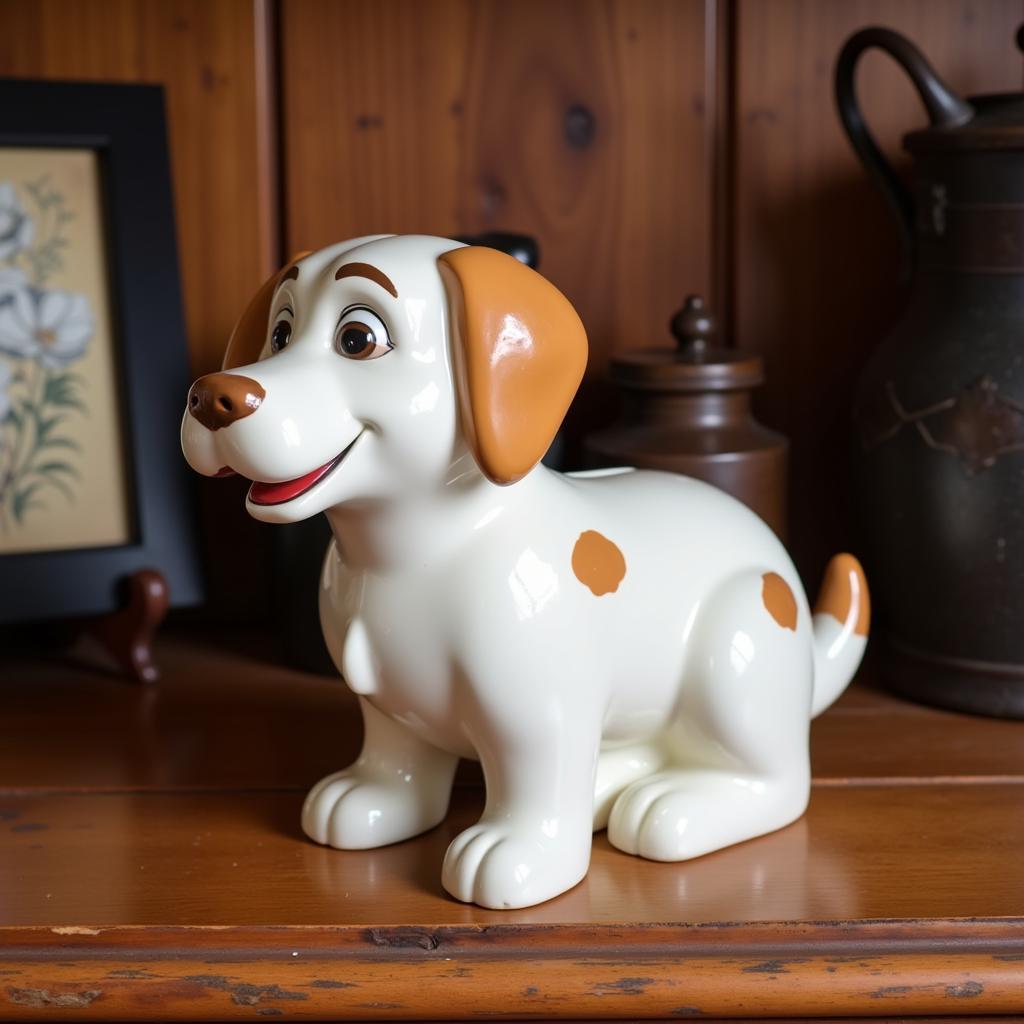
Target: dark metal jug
(940, 411)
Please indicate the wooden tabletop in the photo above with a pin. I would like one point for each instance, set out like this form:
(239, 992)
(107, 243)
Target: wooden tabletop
(151, 866)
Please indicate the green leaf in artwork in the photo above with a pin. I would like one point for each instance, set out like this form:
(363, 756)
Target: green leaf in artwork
(56, 467)
(62, 442)
(58, 484)
(60, 390)
(45, 426)
(23, 501)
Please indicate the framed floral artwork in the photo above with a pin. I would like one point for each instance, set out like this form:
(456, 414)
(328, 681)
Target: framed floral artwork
(60, 418)
(92, 353)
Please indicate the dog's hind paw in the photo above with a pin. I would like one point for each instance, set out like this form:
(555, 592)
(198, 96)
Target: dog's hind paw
(502, 867)
(351, 811)
(677, 815)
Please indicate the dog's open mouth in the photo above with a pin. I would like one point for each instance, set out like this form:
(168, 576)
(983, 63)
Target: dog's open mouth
(287, 490)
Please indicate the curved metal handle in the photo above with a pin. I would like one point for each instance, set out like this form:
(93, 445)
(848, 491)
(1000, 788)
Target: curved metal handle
(945, 108)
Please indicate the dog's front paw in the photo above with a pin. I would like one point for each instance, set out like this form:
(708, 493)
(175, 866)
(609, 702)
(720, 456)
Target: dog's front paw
(503, 867)
(352, 811)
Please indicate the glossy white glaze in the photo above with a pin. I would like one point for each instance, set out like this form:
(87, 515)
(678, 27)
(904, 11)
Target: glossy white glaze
(673, 709)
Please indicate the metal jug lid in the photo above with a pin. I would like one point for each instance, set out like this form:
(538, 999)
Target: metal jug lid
(997, 124)
(993, 121)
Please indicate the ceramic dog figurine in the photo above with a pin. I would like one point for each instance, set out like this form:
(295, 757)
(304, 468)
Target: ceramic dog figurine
(620, 649)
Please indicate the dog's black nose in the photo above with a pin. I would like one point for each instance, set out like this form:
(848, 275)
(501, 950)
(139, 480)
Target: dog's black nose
(218, 399)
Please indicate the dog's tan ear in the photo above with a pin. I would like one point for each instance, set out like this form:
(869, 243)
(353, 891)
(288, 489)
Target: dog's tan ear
(246, 341)
(519, 351)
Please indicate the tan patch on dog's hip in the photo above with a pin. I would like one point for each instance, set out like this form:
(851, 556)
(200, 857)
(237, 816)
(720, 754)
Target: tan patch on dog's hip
(844, 593)
(598, 563)
(779, 600)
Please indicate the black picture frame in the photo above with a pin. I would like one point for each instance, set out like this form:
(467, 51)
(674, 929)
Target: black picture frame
(126, 126)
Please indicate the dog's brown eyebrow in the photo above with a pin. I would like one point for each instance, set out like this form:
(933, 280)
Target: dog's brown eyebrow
(370, 273)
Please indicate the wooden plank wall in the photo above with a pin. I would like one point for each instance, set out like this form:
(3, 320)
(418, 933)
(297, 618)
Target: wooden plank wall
(653, 146)
(582, 122)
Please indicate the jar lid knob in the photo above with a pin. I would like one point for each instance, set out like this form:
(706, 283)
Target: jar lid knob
(693, 327)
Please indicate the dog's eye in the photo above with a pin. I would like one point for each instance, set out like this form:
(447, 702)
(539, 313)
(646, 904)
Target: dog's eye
(280, 335)
(361, 334)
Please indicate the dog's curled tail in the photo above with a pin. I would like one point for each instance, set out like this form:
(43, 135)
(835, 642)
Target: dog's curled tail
(842, 614)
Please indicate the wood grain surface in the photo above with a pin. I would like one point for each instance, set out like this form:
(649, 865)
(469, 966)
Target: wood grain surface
(581, 122)
(816, 271)
(239, 858)
(227, 715)
(443, 974)
(152, 867)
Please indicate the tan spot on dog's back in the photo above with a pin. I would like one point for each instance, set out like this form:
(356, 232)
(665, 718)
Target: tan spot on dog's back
(598, 563)
(844, 594)
(779, 600)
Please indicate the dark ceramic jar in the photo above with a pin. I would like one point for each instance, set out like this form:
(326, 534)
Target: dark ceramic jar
(687, 410)
(940, 411)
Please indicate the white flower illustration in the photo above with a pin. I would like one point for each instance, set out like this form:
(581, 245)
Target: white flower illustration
(16, 228)
(6, 377)
(51, 326)
(13, 292)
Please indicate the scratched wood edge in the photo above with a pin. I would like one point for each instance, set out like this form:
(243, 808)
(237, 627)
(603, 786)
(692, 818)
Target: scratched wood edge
(876, 968)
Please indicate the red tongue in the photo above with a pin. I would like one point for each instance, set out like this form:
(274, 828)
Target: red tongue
(274, 494)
